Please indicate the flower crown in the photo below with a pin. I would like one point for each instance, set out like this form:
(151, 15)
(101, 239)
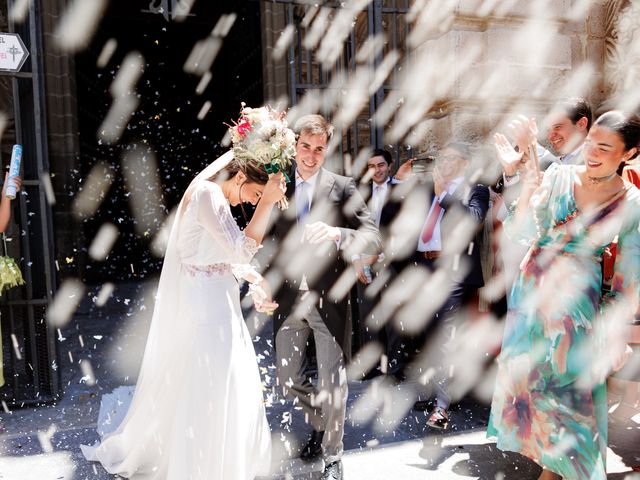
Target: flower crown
(262, 135)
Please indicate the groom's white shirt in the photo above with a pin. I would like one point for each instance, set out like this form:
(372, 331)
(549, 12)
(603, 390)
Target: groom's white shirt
(311, 181)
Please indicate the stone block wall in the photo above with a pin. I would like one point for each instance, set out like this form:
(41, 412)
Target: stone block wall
(530, 55)
(275, 74)
(500, 57)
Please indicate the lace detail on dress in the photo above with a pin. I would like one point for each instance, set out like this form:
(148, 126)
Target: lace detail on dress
(251, 246)
(214, 214)
(215, 269)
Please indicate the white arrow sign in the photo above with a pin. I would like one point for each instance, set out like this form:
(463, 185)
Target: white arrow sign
(13, 53)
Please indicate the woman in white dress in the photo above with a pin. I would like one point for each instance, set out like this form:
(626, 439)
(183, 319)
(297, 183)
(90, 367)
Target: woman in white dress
(198, 411)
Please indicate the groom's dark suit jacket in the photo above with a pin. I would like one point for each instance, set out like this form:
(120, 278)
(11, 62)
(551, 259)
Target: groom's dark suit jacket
(337, 202)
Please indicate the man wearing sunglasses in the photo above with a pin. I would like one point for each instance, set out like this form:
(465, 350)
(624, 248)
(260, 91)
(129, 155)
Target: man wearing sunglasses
(444, 241)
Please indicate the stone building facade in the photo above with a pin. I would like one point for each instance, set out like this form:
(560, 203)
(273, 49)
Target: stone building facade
(452, 69)
(474, 63)
(408, 75)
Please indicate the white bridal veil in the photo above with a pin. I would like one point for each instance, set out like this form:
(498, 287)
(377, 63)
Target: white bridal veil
(162, 370)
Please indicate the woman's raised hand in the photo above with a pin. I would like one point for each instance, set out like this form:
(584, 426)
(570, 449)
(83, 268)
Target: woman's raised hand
(524, 132)
(507, 156)
(275, 188)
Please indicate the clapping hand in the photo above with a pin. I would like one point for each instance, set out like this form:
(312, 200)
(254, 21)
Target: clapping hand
(621, 357)
(439, 184)
(507, 156)
(524, 132)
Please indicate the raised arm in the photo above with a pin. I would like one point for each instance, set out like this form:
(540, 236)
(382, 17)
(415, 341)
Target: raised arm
(214, 215)
(272, 193)
(5, 203)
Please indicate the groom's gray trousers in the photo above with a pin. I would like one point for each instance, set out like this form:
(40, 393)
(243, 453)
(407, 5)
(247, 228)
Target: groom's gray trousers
(324, 405)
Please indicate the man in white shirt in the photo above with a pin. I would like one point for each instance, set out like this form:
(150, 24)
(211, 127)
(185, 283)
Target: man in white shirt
(439, 244)
(567, 126)
(375, 187)
(380, 165)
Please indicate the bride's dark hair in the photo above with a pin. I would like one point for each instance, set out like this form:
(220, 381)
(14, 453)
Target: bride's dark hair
(254, 171)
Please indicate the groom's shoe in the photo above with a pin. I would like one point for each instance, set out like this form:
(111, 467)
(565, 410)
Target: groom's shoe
(333, 471)
(313, 448)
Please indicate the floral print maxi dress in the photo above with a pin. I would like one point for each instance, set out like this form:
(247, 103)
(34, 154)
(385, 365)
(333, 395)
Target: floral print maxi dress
(550, 401)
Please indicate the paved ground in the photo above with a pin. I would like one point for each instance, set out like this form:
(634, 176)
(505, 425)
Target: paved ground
(384, 438)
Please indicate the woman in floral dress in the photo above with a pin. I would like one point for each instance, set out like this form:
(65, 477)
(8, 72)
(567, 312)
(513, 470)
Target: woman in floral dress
(562, 336)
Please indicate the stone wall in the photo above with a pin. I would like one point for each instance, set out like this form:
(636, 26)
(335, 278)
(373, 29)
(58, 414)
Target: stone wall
(524, 57)
(275, 71)
(482, 61)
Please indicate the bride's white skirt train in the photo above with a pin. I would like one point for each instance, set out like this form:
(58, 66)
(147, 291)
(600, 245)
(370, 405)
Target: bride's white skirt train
(198, 411)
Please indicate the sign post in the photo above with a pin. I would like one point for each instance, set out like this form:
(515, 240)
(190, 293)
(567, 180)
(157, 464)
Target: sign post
(13, 53)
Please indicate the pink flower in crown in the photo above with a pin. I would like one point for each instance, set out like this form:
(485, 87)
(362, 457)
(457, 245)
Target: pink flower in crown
(243, 128)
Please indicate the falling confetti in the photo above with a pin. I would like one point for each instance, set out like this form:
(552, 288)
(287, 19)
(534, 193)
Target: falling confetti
(78, 24)
(65, 302)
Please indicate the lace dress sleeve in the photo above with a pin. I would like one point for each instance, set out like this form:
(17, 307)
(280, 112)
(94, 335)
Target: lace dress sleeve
(214, 215)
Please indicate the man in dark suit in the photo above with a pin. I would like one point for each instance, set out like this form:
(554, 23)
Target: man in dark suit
(435, 232)
(376, 186)
(327, 224)
(377, 191)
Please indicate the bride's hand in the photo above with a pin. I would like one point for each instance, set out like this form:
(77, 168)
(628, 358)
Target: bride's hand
(262, 297)
(275, 188)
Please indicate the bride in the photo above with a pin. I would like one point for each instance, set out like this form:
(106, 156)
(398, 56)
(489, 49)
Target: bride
(198, 411)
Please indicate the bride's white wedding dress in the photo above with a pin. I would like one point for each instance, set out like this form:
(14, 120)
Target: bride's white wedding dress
(197, 411)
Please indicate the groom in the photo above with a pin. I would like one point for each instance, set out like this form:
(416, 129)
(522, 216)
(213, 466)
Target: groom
(326, 225)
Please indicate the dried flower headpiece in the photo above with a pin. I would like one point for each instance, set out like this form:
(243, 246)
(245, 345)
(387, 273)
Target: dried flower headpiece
(262, 135)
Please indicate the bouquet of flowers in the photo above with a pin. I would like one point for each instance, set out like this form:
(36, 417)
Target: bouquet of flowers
(10, 275)
(262, 135)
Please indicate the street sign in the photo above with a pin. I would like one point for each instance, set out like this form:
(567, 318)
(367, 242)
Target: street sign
(13, 53)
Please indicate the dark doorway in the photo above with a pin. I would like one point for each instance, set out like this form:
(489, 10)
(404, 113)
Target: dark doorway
(166, 118)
